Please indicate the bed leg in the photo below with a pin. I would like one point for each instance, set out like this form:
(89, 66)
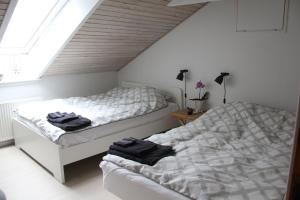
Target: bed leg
(59, 174)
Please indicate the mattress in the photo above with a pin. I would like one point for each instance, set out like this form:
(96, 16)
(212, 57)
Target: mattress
(122, 182)
(117, 104)
(71, 139)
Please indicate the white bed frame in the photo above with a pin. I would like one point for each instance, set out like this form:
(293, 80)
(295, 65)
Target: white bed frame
(54, 157)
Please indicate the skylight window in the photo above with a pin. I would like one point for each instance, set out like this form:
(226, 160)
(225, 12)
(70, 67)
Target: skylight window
(27, 22)
(33, 32)
(29, 19)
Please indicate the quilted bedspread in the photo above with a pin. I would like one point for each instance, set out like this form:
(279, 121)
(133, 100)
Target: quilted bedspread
(239, 151)
(117, 104)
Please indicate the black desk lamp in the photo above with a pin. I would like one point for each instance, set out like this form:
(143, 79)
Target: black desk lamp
(180, 77)
(220, 80)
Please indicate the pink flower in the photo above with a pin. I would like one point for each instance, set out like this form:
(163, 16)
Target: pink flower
(200, 85)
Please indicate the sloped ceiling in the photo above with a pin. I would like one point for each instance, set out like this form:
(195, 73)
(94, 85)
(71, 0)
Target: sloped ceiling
(3, 9)
(116, 33)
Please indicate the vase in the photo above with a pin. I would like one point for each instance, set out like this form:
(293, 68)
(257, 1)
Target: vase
(199, 106)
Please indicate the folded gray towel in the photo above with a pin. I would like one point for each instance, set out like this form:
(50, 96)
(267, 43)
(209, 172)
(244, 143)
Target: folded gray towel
(139, 148)
(150, 158)
(65, 117)
(56, 115)
(73, 125)
(126, 142)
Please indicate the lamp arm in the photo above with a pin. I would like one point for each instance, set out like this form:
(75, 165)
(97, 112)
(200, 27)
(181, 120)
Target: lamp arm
(185, 96)
(224, 97)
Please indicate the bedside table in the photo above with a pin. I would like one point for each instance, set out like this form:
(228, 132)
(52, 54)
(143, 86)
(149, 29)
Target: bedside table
(183, 117)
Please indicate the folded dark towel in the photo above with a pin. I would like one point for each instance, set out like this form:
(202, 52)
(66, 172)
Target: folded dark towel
(66, 117)
(126, 142)
(149, 159)
(74, 124)
(139, 148)
(56, 115)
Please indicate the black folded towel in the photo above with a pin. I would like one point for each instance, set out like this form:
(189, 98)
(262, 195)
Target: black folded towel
(150, 158)
(73, 125)
(139, 148)
(126, 142)
(65, 117)
(56, 115)
(68, 121)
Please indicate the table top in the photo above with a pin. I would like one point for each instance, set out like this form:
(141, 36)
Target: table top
(182, 114)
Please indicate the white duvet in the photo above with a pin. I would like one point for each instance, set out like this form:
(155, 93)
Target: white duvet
(115, 105)
(240, 151)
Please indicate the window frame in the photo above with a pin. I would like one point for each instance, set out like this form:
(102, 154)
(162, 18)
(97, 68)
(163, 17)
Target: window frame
(53, 12)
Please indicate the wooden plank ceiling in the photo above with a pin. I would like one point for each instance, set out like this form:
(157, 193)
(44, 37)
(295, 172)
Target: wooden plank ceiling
(116, 33)
(3, 9)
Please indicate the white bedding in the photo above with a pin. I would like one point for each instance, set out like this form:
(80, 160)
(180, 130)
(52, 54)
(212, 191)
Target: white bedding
(115, 105)
(68, 140)
(123, 182)
(238, 151)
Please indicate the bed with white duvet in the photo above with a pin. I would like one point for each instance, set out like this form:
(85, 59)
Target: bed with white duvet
(239, 151)
(118, 104)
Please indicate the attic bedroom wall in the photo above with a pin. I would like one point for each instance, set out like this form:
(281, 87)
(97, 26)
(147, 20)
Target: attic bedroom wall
(59, 86)
(265, 66)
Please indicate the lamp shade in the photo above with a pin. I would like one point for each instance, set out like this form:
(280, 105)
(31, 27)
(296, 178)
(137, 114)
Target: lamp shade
(220, 78)
(181, 74)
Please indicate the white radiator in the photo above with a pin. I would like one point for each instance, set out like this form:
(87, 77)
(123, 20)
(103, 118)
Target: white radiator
(6, 116)
(6, 112)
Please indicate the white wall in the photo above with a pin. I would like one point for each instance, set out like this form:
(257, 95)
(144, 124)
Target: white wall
(265, 65)
(60, 86)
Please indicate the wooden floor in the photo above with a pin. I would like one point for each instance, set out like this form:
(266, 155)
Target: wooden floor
(21, 178)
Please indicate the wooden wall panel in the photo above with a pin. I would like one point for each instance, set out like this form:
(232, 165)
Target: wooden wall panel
(3, 9)
(117, 32)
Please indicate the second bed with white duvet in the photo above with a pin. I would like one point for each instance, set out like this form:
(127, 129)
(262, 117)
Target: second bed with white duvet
(240, 151)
